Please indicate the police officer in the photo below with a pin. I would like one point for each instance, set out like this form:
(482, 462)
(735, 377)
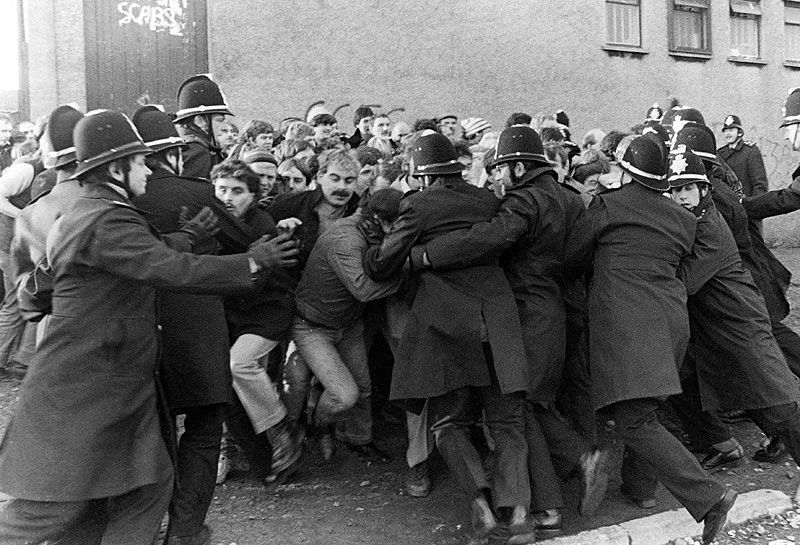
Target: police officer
(633, 239)
(84, 458)
(744, 157)
(202, 108)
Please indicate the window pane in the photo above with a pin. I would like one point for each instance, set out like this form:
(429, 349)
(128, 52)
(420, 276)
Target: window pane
(692, 3)
(792, 42)
(689, 29)
(744, 36)
(793, 14)
(623, 24)
(750, 7)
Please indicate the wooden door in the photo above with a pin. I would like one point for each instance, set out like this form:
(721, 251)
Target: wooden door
(139, 52)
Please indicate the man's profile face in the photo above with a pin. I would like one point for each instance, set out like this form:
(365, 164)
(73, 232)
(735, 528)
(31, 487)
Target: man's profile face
(5, 132)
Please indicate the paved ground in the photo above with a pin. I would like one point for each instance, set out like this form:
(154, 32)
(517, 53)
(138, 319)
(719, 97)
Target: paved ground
(347, 502)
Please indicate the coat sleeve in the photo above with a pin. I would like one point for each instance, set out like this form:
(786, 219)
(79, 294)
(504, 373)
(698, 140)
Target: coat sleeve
(348, 249)
(384, 261)
(483, 242)
(757, 172)
(123, 245)
(582, 240)
(699, 266)
(771, 203)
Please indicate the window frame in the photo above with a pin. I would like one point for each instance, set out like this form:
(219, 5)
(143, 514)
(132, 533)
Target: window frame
(614, 45)
(705, 6)
(738, 10)
(792, 4)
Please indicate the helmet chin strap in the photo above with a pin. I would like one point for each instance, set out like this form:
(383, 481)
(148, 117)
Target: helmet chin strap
(124, 185)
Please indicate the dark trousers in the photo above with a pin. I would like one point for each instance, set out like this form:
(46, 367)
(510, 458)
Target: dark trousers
(198, 454)
(789, 343)
(703, 428)
(782, 420)
(574, 398)
(554, 452)
(452, 414)
(133, 518)
(654, 454)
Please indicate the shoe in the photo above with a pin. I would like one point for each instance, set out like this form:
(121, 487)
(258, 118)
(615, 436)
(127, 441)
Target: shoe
(774, 452)
(483, 520)
(717, 516)
(548, 523)
(369, 453)
(203, 537)
(223, 467)
(417, 481)
(717, 460)
(595, 481)
(645, 504)
(285, 450)
(521, 528)
(327, 445)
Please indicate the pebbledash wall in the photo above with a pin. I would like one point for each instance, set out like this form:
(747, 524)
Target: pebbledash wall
(487, 58)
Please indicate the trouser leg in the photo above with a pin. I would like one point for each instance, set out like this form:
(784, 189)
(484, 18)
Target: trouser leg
(450, 416)
(356, 425)
(11, 322)
(782, 420)
(638, 479)
(252, 384)
(704, 428)
(635, 423)
(135, 518)
(545, 486)
(198, 454)
(789, 343)
(574, 399)
(296, 377)
(565, 444)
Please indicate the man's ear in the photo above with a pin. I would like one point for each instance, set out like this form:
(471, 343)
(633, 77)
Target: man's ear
(114, 171)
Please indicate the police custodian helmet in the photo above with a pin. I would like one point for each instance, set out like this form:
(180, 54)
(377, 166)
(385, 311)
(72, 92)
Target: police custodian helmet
(642, 159)
(200, 95)
(60, 126)
(103, 136)
(434, 155)
(519, 143)
(156, 128)
(685, 168)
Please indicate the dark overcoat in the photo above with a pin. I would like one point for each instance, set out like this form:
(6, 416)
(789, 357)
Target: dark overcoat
(441, 347)
(530, 229)
(746, 162)
(634, 239)
(87, 423)
(195, 353)
(739, 364)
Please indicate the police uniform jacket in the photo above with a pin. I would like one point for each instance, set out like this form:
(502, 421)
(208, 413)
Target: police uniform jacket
(530, 229)
(634, 239)
(745, 160)
(452, 311)
(87, 424)
(739, 364)
(195, 353)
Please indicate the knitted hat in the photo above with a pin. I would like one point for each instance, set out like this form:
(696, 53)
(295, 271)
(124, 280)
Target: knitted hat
(259, 156)
(561, 118)
(473, 125)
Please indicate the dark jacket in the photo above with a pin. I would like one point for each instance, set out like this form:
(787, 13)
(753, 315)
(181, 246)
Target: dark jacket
(739, 364)
(267, 313)
(200, 156)
(195, 354)
(531, 226)
(745, 160)
(441, 348)
(334, 286)
(634, 239)
(303, 207)
(87, 424)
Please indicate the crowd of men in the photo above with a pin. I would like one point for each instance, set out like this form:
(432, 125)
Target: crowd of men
(168, 265)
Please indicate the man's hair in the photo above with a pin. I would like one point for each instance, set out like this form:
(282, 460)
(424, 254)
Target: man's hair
(551, 134)
(289, 148)
(323, 119)
(391, 170)
(295, 163)
(609, 143)
(336, 156)
(360, 113)
(238, 170)
(254, 128)
(384, 203)
(366, 155)
(423, 124)
(518, 118)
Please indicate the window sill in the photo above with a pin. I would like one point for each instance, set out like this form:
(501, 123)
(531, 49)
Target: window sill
(690, 55)
(623, 50)
(792, 64)
(747, 60)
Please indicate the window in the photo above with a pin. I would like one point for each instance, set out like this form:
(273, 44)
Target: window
(690, 26)
(792, 30)
(623, 23)
(745, 28)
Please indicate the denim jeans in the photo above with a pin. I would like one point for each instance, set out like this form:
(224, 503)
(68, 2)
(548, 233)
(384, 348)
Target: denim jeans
(252, 384)
(11, 322)
(338, 358)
